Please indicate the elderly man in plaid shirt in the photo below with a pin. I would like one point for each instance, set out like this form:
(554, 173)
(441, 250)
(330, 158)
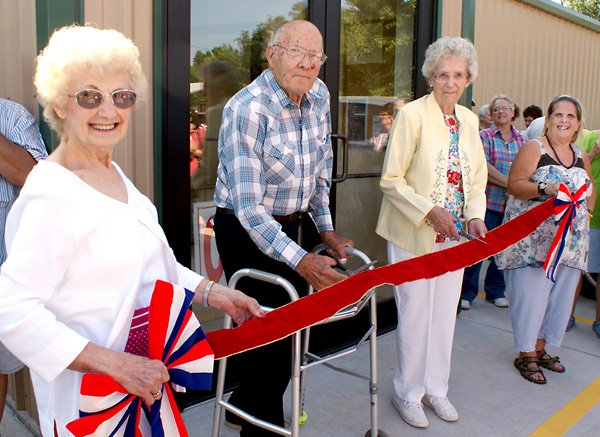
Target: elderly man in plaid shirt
(275, 161)
(501, 142)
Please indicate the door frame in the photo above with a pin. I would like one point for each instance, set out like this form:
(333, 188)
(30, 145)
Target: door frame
(172, 45)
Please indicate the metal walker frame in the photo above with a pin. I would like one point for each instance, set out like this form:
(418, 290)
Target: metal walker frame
(302, 361)
(310, 359)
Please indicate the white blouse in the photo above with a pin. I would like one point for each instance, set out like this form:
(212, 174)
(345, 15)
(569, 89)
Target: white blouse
(79, 263)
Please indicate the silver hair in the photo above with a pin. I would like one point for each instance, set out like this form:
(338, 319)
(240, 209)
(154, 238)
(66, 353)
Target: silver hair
(504, 97)
(445, 46)
(483, 110)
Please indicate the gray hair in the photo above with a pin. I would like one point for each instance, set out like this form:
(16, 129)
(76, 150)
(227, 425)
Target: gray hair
(458, 47)
(504, 97)
(483, 110)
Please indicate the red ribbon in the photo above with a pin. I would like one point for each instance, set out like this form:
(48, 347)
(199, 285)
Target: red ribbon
(310, 310)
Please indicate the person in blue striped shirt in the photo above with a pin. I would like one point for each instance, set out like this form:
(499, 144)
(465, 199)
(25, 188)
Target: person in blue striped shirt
(21, 147)
(275, 161)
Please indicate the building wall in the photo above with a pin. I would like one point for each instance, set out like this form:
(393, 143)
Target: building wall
(135, 155)
(532, 56)
(451, 17)
(17, 51)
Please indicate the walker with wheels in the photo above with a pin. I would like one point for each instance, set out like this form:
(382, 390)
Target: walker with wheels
(303, 359)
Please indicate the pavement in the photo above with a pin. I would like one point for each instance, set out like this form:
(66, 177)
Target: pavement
(17, 423)
(488, 392)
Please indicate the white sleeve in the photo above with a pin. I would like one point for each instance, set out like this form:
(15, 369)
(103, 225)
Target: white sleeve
(40, 245)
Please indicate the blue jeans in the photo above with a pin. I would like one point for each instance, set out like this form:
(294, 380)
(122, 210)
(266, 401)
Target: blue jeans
(494, 279)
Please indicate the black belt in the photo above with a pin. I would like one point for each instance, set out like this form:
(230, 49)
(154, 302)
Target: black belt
(292, 218)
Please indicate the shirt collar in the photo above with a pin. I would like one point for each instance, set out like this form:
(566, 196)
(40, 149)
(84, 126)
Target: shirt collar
(280, 99)
(513, 131)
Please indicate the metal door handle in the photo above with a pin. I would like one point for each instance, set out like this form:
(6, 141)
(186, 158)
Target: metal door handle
(344, 175)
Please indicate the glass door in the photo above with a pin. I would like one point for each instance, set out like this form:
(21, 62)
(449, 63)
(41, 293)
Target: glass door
(369, 73)
(227, 42)
(375, 79)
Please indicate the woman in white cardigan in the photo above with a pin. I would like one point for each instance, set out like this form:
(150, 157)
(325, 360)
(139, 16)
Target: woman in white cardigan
(84, 245)
(434, 174)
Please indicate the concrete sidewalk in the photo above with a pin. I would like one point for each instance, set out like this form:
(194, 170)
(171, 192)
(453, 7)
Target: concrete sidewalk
(17, 423)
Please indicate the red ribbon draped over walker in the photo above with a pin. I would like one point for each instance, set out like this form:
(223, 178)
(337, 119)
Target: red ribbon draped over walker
(310, 310)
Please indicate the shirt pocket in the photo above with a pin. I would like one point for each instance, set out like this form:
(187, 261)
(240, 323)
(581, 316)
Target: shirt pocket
(279, 161)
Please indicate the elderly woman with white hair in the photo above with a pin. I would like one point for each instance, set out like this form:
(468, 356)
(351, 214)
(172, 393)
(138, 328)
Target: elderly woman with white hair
(434, 174)
(84, 245)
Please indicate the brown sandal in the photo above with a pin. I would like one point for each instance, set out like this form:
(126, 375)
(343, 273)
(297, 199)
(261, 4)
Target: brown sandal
(549, 362)
(524, 366)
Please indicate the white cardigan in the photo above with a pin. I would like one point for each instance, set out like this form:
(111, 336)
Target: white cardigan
(72, 275)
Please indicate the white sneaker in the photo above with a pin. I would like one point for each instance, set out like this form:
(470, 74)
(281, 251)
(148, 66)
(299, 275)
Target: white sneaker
(442, 406)
(501, 302)
(411, 412)
(465, 304)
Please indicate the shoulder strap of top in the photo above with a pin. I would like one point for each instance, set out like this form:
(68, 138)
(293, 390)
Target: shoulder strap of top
(542, 148)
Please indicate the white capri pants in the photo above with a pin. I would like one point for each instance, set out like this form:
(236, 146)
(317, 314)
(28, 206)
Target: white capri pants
(426, 319)
(540, 308)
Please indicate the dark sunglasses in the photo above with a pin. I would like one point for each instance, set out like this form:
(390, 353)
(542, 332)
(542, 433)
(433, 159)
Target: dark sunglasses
(90, 98)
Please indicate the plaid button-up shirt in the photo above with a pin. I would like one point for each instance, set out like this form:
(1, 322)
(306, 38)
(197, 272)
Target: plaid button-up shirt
(19, 127)
(275, 158)
(499, 154)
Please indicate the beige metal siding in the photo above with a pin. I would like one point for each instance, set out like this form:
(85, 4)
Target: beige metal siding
(451, 17)
(17, 51)
(135, 154)
(533, 56)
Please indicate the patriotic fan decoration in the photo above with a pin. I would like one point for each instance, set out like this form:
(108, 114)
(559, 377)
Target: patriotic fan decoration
(175, 338)
(565, 209)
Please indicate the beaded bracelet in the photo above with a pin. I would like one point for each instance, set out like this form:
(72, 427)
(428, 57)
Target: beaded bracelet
(206, 292)
(590, 213)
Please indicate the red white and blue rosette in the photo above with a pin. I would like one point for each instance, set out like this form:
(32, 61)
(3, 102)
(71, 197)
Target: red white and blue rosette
(565, 209)
(175, 338)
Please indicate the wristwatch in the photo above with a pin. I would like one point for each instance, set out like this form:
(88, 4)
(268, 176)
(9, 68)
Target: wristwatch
(542, 187)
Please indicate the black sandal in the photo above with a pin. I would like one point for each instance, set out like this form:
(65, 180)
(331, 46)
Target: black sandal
(549, 362)
(523, 366)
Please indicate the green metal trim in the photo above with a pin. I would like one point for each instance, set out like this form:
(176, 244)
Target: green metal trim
(439, 13)
(157, 109)
(564, 13)
(50, 15)
(468, 31)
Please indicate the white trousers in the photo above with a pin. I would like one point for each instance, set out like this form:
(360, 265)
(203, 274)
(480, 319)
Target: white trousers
(426, 319)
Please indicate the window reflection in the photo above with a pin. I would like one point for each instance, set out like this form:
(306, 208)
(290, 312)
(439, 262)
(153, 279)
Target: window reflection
(376, 71)
(220, 80)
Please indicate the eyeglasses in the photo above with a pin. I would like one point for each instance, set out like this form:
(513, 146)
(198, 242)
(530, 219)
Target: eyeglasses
(456, 77)
(502, 109)
(298, 53)
(90, 98)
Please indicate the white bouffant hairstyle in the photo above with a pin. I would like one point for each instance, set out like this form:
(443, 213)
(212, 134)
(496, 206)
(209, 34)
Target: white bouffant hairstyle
(79, 51)
(457, 47)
